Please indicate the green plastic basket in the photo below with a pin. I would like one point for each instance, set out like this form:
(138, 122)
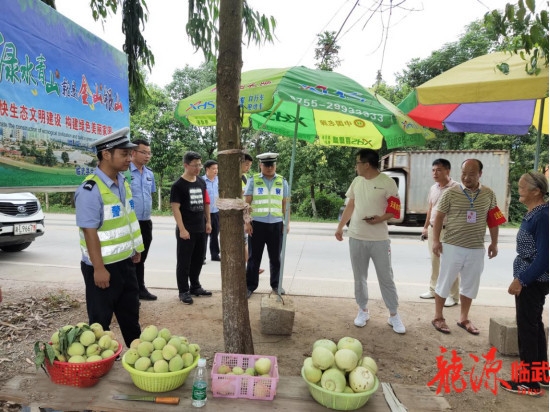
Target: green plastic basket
(339, 401)
(159, 382)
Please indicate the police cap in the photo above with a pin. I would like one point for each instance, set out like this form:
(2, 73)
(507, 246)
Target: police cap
(268, 158)
(116, 140)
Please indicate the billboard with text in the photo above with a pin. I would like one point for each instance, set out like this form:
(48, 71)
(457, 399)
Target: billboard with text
(61, 88)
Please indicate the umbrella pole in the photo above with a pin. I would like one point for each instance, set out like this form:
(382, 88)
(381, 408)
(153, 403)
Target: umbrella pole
(287, 207)
(539, 132)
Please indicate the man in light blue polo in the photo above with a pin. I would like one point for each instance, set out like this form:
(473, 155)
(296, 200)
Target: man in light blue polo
(212, 187)
(267, 193)
(143, 186)
(110, 238)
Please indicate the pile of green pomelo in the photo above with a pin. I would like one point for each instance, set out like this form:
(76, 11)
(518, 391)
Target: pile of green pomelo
(340, 367)
(159, 351)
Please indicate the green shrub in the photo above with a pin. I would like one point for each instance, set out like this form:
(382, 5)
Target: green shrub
(327, 205)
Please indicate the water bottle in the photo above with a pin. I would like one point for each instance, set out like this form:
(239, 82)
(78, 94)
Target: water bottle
(200, 385)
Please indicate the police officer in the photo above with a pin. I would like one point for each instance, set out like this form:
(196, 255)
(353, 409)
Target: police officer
(143, 186)
(267, 193)
(110, 238)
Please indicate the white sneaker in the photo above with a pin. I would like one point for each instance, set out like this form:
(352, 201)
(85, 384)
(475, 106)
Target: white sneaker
(427, 295)
(395, 322)
(450, 302)
(362, 317)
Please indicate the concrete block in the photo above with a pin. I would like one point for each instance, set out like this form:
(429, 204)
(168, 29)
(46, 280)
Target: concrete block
(276, 315)
(503, 335)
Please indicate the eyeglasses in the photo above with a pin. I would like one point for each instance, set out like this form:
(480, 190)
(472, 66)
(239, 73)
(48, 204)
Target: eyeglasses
(197, 166)
(144, 153)
(268, 164)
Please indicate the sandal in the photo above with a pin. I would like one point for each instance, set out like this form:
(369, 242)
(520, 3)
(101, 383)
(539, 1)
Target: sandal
(468, 327)
(440, 325)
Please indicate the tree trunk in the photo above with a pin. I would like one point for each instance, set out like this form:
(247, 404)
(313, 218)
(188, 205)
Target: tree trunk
(312, 196)
(236, 320)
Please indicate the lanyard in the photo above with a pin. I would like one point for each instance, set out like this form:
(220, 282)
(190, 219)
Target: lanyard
(470, 199)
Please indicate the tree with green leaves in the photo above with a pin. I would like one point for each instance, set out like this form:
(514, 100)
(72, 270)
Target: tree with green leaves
(326, 52)
(521, 30)
(473, 43)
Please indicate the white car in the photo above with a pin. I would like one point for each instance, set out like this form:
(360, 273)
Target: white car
(21, 221)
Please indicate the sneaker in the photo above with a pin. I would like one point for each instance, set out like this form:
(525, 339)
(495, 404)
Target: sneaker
(201, 292)
(521, 389)
(185, 297)
(450, 302)
(248, 294)
(362, 317)
(215, 259)
(543, 385)
(276, 291)
(395, 322)
(427, 295)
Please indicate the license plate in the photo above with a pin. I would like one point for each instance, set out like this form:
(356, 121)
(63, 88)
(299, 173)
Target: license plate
(24, 228)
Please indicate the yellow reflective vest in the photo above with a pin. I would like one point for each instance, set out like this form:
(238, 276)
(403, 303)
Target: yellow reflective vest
(119, 235)
(266, 201)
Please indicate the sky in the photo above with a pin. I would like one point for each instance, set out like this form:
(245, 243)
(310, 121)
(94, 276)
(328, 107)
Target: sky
(368, 41)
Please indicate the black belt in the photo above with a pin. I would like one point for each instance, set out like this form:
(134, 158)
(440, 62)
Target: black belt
(433, 226)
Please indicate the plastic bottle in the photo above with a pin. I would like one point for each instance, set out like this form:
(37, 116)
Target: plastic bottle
(200, 385)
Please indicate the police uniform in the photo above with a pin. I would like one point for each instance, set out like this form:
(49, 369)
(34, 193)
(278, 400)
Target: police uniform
(143, 186)
(108, 207)
(267, 223)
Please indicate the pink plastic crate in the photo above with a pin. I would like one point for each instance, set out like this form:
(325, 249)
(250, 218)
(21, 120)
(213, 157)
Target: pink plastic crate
(243, 386)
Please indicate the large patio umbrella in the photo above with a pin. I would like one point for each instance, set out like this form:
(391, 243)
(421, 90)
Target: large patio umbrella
(511, 99)
(513, 117)
(301, 103)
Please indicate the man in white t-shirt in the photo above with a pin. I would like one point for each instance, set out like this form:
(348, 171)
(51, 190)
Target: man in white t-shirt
(441, 172)
(372, 201)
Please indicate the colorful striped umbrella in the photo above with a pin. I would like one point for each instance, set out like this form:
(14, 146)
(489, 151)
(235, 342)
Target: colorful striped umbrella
(513, 99)
(506, 117)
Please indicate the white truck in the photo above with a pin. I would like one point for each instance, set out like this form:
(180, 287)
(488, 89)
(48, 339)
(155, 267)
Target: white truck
(412, 171)
(21, 221)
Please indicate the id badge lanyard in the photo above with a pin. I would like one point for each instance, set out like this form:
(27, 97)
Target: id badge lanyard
(471, 214)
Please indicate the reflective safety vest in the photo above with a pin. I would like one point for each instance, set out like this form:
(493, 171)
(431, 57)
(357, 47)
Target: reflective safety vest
(266, 201)
(119, 235)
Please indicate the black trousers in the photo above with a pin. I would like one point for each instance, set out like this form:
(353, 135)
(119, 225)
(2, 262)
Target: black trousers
(270, 235)
(531, 336)
(146, 227)
(214, 242)
(121, 298)
(189, 255)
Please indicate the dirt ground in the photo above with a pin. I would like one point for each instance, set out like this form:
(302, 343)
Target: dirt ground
(29, 313)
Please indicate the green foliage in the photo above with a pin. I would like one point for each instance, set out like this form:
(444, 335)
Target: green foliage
(134, 16)
(326, 52)
(203, 21)
(475, 42)
(327, 205)
(520, 28)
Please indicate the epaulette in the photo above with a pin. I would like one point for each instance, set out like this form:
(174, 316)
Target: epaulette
(89, 184)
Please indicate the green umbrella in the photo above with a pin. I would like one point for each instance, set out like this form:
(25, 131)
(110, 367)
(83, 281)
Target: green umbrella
(304, 104)
(332, 107)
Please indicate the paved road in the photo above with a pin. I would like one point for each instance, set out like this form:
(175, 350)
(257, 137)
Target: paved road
(316, 264)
